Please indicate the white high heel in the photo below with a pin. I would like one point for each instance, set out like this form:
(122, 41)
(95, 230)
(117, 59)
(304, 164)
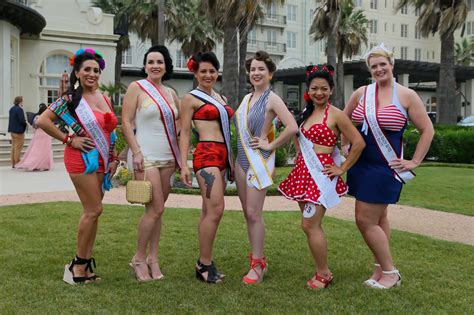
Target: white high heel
(377, 285)
(370, 282)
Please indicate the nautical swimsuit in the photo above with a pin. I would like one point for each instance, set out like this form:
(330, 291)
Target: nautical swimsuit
(299, 185)
(370, 179)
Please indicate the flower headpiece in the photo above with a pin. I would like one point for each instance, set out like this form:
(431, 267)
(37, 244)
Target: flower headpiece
(321, 68)
(91, 51)
(378, 49)
(192, 64)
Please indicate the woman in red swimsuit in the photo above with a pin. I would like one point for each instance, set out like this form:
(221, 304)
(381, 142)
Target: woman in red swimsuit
(321, 124)
(87, 66)
(204, 107)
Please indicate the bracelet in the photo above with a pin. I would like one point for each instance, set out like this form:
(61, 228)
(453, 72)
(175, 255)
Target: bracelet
(69, 140)
(115, 159)
(66, 138)
(136, 152)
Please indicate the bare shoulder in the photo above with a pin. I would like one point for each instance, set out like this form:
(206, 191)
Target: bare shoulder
(336, 112)
(359, 92)
(406, 95)
(189, 100)
(275, 100)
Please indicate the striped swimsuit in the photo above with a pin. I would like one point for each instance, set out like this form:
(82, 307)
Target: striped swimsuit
(256, 118)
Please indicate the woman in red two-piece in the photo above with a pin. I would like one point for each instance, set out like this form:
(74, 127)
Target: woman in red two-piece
(87, 66)
(210, 157)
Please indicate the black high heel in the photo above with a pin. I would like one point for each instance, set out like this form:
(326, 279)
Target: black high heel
(69, 277)
(212, 275)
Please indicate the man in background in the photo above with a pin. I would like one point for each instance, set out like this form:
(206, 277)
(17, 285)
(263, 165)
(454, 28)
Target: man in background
(16, 128)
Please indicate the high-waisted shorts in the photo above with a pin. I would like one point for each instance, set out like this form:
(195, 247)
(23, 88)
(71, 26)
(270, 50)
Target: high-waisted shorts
(210, 154)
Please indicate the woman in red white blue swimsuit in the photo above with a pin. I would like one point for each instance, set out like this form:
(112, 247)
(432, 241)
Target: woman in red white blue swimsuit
(212, 158)
(320, 125)
(381, 111)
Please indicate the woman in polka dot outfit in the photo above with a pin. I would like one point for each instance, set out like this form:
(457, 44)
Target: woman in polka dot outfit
(321, 124)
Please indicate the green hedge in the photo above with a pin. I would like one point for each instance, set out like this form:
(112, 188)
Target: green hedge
(452, 144)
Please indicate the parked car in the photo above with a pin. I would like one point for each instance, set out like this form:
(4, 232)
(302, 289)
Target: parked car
(468, 121)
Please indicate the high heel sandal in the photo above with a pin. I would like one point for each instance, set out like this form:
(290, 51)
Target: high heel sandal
(94, 277)
(254, 263)
(213, 276)
(150, 262)
(370, 282)
(69, 276)
(136, 263)
(318, 277)
(377, 285)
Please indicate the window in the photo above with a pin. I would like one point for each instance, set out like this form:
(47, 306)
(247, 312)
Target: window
(271, 38)
(470, 5)
(127, 57)
(271, 12)
(404, 9)
(180, 61)
(417, 54)
(51, 71)
(427, 55)
(252, 37)
(433, 55)
(373, 4)
(291, 14)
(470, 28)
(417, 33)
(357, 3)
(291, 40)
(385, 27)
(404, 30)
(404, 52)
(373, 26)
(372, 45)
(393, 28)
(417, 11)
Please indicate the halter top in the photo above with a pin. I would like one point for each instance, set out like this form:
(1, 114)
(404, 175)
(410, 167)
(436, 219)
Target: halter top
(320, 133)
(210, 112)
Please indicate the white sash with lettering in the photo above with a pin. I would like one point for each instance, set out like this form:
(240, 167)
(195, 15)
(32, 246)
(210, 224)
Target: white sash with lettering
(259, 174)
(383, 144)
(224, 118)
(167, 116)
(91, 125)
(329, 197)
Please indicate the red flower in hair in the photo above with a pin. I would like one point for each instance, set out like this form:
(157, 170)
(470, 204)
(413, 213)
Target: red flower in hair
(192, 65)
(306, 97)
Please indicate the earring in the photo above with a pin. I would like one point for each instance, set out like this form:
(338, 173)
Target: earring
(76, 85)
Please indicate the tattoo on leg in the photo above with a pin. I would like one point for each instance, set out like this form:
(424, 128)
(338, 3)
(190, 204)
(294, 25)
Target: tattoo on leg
(208, 181)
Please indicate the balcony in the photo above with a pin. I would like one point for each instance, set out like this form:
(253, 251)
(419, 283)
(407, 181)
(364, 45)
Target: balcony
(272, 48)
(274, 20)
(16, 12)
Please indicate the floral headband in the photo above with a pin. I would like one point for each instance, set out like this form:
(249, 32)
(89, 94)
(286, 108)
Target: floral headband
(91, 51)
(324, 68)
(192, 64)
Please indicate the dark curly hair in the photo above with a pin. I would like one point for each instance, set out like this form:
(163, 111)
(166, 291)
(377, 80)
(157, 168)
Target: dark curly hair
(323, 71)
(75, 94)
(207, 56)
(167, 57)
(261, 56)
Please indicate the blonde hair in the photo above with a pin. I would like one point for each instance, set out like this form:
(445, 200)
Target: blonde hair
(379, 52)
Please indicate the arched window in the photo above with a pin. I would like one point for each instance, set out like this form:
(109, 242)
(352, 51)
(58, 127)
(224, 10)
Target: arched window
(51, 71)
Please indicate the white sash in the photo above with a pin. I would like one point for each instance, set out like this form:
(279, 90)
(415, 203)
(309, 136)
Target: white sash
(167, 116)
(383, 144)
(224, 118)
(91, 125)
(259, 174)
(328, 197)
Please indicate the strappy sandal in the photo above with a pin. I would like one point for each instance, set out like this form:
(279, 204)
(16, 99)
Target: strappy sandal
(136, 263)
(318, 277)
(377, 285)
(150, 262)
(212, 275)
(69, 276)
(370, 282)
(254, 263)
(94, 277)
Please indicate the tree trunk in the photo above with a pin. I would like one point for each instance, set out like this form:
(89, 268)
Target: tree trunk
(230, 79)
(446, 89)
(339, 82)
(331, 52)
(161, 23)
(118, 70)
(242, 71)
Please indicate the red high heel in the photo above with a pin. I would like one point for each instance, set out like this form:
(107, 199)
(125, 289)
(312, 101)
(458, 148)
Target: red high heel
(318, 277)
(254, 263)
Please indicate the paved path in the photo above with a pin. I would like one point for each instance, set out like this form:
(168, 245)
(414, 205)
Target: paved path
(18, 187)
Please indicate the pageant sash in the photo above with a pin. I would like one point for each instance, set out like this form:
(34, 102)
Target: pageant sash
(167, 116)
(224, 119)
(260, 172)
(91, 125)
(381, 140)
(329, 197)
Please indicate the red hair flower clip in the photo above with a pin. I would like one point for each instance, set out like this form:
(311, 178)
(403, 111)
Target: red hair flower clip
(306, 97)
(192, 65)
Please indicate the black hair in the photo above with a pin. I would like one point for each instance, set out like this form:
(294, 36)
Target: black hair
(323, 71)
(76, 93)
(261, 56)
(41, 108)
(207, 56)
(166, 56)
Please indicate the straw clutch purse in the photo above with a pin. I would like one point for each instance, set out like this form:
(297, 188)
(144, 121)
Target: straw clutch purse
(138, 191)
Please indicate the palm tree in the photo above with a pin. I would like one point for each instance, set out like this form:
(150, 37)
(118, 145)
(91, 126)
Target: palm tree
(118, 8)
(345, 31)
(464, 52)
(444, 17)
(235, 18)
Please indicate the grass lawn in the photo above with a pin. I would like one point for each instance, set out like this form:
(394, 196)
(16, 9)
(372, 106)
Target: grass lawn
(38, 239)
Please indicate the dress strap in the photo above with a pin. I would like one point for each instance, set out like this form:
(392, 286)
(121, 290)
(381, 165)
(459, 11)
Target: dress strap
(108, 102)
(325, 118)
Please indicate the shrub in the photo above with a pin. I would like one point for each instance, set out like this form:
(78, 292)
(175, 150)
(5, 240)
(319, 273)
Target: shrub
(120, 143)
